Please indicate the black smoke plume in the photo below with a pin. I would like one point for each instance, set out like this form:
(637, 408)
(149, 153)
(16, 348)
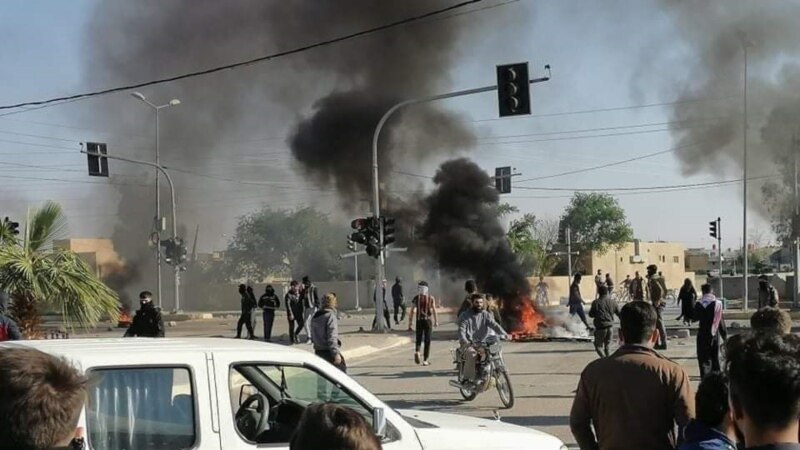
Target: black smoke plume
(463, 232)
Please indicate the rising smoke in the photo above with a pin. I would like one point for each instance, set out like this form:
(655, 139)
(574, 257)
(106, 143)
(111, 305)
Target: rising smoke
(708, 121)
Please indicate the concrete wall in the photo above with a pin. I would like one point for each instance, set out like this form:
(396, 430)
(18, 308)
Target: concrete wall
(558, 289)
(98, 253)
(668, 256)
(733, 288)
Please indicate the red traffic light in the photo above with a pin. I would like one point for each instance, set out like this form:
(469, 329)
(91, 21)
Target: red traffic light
(358, 224)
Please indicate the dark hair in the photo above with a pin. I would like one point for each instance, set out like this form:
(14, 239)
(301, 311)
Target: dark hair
(242, 288)
(771, 320)
(687, 282)
(764, 374)
(705, 288)
(602, 290)
(476, 296)
(333, 427)
(306, 280)
(577, 277)
(470, 286)
(711, 400)
(422, 283)
(145, 294)
(40, 401)
(637, 322)
(293, 283)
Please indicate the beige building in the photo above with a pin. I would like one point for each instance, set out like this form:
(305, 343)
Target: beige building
(636, 256)
(98, 253)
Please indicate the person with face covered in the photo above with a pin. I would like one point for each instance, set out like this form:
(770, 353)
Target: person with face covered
(475, 327)
(423, 308)
(147, 322)
(269, 303)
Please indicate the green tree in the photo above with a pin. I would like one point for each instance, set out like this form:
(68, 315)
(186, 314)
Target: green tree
(285, 243)
(597, 223)
(532, 240)
(40, 277)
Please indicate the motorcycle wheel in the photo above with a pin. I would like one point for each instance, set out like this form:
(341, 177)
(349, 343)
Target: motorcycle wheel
(504, 389)
(468, 394)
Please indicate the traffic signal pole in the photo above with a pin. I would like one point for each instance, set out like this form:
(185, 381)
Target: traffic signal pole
(162, 169)
(376, 205)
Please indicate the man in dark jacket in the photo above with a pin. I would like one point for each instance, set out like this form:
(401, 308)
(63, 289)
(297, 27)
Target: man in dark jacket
(246, 318)
(713, 428)
(147, 322)
(637, 287)
(269, 303)
(398, 301)
(602, 311)
(310, 297)
(9, 331)
(576, 302)
(712, 331)
(294, 311)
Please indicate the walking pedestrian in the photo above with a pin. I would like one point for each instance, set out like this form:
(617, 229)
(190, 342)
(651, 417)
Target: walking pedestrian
(626, 285)
(713, 428)
(423, 309)
(767, 294)
(656, 290)
(576, 302)
(398, 301)
(311, 304)
(687, 297)
(147, 322)
(541, 292)
(294, 311)
(9, 331)
(609, 284)
(245, 318)
(634, 398)
(598, 281)
(386, 315)
(712, 331)
(602, 311)
(253, 315)
(269, 304)
(470, 287)
(765, 389)
(324, 328)
(637, 287)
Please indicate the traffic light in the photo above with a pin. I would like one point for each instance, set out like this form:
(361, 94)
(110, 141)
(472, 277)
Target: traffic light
(388, 230)
(351, 244)
(713, 229)
(12, 227)
(98, 166)
(373, 232)
(181, 252)
(502, 179)
(562, 235)
(513, 90)
(169, 250)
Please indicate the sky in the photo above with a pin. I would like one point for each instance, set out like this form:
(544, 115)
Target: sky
(608, 100)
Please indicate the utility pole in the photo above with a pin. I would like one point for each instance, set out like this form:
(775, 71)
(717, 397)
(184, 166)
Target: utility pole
(745, 269)
(568, 234)
(795, 227)
(376, 206)
(355, 261)
(719, 261)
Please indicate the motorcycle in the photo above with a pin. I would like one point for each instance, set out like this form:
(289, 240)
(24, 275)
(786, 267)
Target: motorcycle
(490, 372)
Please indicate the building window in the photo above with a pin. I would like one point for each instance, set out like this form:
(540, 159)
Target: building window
(676, 259)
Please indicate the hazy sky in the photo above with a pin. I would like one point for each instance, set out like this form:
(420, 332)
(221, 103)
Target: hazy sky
(601, 63)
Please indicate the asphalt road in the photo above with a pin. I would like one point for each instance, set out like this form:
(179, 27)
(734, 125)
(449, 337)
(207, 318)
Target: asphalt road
(544, 377)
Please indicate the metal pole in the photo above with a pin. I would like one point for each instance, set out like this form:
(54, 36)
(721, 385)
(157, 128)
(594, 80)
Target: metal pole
(719, 260)
(376, 207)
(569, 253)
(158, 213)
(744, 185)
(795, 295)
(355, 259)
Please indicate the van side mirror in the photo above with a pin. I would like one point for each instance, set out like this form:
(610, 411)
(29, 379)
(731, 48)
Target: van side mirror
(379, 422)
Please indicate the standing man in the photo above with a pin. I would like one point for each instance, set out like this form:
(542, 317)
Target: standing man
(598, 281)
(712, 332)
(398, 301)
(253, 315)
(576, 302)
(386, 315)
(147, 322)
(609, 284)
(9, 331)
(245, 318)
(656, 290)
(294, 311)
(602, 311)
(767, 294)
(311, 304)
(626, 284)
(269, 303)
(324, 329)
(541, 292)
(637, 287)
(423, 308)
(634, 398)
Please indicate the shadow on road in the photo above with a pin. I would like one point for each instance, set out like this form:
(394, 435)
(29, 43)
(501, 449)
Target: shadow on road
(538, 421)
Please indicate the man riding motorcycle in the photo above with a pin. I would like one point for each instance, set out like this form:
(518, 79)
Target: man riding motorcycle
(476, 325)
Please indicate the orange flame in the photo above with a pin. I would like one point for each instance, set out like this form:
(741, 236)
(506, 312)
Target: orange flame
(529, 319)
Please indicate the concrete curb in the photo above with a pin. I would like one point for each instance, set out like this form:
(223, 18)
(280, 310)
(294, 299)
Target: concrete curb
(366, 350)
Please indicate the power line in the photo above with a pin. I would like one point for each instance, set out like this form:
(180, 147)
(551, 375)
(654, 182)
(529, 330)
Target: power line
(645, 188)
(247, 62)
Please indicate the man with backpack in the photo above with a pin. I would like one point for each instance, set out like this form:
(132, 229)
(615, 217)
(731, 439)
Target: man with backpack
(9, 331)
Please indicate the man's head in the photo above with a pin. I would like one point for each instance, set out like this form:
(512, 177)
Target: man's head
(764, 374)
(40, 401)
(541, 279)
(705, 289)
(306, 281)
(577, 278)
(145, 298)
(687, 283)
(294, 286)
(422, 288)
(599, 272)
(478, 302)
(771, 320)
(763, 281)
(628, 277)
(269, 290)
(602, 290)
(638, 324)
(242, 289)
(333, 427)
(383, 283)
(711, 402)
(398, 280)
(329, 301)
(651, 270)
(637, 275)
(470, 286)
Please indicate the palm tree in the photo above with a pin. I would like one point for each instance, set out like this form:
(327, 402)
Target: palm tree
(38, 276)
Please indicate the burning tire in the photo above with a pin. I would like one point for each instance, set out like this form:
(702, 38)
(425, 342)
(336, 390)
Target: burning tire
(504, 389)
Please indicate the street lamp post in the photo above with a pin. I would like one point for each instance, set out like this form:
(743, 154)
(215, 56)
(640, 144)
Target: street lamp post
(158, 220)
